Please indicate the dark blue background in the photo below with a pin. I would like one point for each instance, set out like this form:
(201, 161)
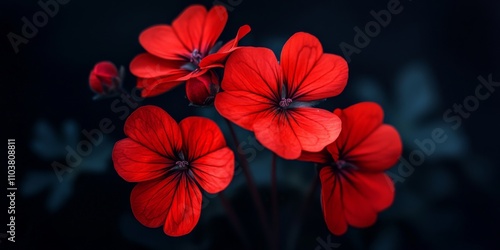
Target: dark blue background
(427, 59)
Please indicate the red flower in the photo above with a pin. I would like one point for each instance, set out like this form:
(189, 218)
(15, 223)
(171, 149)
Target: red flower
(105, 78)
(186, 49)
(275, 100)
(171, 162)
(354, 185)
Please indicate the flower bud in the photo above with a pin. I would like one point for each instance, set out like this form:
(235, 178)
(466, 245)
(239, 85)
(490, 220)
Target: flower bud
(201, 90)
(105, 78)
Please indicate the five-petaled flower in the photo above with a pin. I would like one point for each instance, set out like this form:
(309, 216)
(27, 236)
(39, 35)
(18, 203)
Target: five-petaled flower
(184, 50)
(274, 101)
(171, 162)
(354, 185)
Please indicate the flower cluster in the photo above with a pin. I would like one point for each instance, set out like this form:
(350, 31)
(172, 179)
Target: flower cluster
(186, 51)
(172, 162)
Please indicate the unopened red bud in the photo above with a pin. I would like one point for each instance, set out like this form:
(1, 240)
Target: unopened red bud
(104, 78)
(201, 90)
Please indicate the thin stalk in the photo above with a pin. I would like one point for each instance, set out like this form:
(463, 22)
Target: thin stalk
(234, 220)
(274, 199)
(257, 200)
(297, 223)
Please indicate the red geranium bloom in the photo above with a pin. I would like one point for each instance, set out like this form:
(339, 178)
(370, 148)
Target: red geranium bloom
(275, 100)
(186, 49)
(171, 162)
(354, 185)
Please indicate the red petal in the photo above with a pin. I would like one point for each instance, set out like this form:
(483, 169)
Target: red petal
(161, 84)
(156, 86)
(151, 200)
(322, 156)
(326, 79)
(274, 132)
(162, 41)
(364, 140)
(311, 75)
(185, 210)
(315, 128)
(152, 127)
(253, 70)
(105, 70)
(135, 163)
(148, 66)
(193, 74)
(358, 121)
(220, 56)
(377, 152)
(353, 197)
(95, 84)
(174, 202)
(189, 26)
(214, 171)
(214, 25)
(251, 84)
(242, 107)
(298, 57)
(242, 32)
(364, 195)
(331, 201)
(300, 129)
(201, 136)
(358, 209)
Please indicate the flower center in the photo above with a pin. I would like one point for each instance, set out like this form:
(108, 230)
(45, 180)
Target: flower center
(181, 165)
(196, 57)
(285, 102)
(343, 165)
(194, 61)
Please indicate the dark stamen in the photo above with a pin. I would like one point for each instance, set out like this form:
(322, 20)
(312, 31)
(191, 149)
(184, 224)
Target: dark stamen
(182, 164)
(343, 165)
(196, 57)
(285, 102)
